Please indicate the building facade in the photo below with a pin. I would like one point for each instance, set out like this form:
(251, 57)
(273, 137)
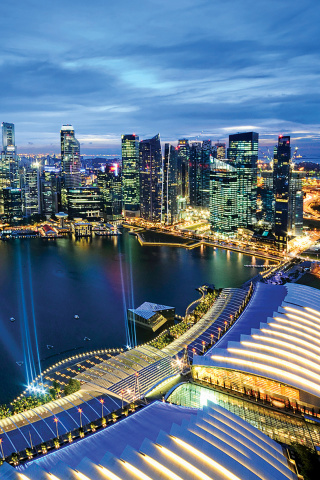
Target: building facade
(243, 155)
(151, 179)
(223, 198)
(130, 175)
(9, 168)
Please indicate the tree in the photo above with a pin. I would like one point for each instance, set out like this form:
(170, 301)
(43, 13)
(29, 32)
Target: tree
(72, 387)
(307, 460)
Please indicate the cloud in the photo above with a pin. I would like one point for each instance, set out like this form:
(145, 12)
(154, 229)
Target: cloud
(179, 67)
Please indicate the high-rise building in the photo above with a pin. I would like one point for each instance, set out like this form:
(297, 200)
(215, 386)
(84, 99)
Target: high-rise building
(219, 151)
(151, 179)
(267, 197)
(9, 168)
(195, 174)
(287, 186)
(296, 202)
(281, 179)
(50, 188)
(30, 186)
(85, 203)
(204, 180)
(183, 154)
(110, 185)
(243, 155)
(12, 204)
(223, 198)
(170, 185)
(130, 175)
(70, 158)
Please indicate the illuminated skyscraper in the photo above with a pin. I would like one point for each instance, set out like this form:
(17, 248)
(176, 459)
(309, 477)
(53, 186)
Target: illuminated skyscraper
(170, 185)
(30, 186)
(109, 183)
(151, 179)
(70, 158)
(223, 198)
(243, 155)
(219, 151)
(183, 151)
(195, 174)
(288, 194)
(9, 172)
(130, 175)
(204, 180)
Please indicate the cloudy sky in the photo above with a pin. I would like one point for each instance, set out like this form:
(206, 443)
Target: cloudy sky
(184, 68)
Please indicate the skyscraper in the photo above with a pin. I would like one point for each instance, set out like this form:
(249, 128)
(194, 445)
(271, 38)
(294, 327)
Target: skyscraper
(183, 151)
(219, 151)
(223, 198)
(151, 179)
(170, 185)
(287, 186)
(130, 175)
(9, 172)
(281, 178)
(195, 174)
(204, 180)
(109, 183)
(70, 158)
(243, 155)
(30, 186)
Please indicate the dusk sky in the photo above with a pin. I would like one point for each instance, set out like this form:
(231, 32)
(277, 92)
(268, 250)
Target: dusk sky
(193, 68)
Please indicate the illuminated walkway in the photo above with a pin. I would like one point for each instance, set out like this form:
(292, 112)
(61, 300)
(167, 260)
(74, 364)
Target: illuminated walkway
(166, 442)
(207, 328)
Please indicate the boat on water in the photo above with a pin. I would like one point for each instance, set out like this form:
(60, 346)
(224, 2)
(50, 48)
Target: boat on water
(12, 319)
(76, 317)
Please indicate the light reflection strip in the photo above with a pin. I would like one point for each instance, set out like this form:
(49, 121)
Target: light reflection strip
(187, 465)
(297, 325)
(271, 359)
(288, 345)
(81, 475)
(282, 352)
(303, 320)
(108, 474)
(135, 470)
(268, 369)
(292, 330)
(159, 466)
(222, 470)
(295, 310)
(312, 310)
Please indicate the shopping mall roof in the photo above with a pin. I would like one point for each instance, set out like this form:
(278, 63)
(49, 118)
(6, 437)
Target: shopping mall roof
(166, 442)
(277, 337)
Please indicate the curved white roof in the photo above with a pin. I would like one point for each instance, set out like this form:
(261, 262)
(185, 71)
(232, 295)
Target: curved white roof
(208, 444)
(283, 347)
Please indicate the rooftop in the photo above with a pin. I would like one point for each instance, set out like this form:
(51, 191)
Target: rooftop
(165, 441)
(276, 337)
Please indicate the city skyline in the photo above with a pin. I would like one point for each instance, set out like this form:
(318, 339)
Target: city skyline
(184, 70)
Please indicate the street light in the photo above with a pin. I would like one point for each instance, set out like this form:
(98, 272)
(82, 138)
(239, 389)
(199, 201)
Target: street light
(102, 402)
(80, 412)
(56, 422)
(1, 448)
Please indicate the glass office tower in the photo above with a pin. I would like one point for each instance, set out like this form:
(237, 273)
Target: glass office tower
(223, 198)
(151, 179)
(243, 155)
(130, 175)
(9, 174)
